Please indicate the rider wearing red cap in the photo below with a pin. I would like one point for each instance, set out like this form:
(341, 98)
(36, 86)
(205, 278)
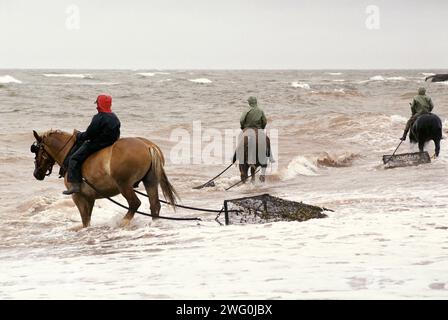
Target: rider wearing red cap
(103, 131)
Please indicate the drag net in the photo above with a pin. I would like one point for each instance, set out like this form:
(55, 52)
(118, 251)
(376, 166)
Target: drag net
(406, 159)
(266, 208)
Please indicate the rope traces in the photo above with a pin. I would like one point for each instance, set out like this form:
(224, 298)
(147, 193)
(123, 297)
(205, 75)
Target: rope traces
(165, 202)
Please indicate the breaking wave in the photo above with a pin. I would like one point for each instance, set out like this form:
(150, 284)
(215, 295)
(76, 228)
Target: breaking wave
(68, 75)
(397, 119)
(337, 161)
(381, 78)
(302, 85)
(150, 74)
(8, 79)
(396, 79)
(334, 73)
(200, 80)
(299, 166)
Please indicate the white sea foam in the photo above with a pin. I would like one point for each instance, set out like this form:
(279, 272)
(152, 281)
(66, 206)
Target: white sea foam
(200, 80)
(146, 74)
(339, 80)
(298, 166)
(377, 78)
(302, 85)
(397, 119)
(396, 78)
(68, 75)
(151, 74)
(427, 74)
(334, 73)
(9, 79)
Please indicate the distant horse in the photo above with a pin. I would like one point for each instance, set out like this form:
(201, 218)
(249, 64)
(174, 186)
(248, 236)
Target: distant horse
(427, 127)
(112, 170)
(437, 78)
(252, 154)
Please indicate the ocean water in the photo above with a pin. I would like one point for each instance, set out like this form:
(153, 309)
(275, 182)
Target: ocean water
(388, 236)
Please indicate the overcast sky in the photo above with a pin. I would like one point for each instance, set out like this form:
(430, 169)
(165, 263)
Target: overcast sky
(226, 34)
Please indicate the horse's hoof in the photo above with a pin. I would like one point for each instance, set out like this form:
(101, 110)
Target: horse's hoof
(77, 228)
(125, 222)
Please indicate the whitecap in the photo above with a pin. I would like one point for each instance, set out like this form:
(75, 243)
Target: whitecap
(427, 74)
(299, 166)
(200, 80)
(334, 73)
(397, 119)
(151, 74)
(377, 78)
(9, 79)
(339, 80)
(302, 85)
(146, 74)
(396, 78)
(68, 75)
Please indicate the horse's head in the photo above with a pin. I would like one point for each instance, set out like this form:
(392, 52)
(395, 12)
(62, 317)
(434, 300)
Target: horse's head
(43, 162)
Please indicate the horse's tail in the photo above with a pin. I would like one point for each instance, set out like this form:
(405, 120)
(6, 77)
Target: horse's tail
(157, 171)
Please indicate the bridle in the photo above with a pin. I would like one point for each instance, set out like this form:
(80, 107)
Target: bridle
(37, 146)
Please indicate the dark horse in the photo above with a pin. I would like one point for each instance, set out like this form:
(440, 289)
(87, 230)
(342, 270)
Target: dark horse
(427, 127)
(252, 154)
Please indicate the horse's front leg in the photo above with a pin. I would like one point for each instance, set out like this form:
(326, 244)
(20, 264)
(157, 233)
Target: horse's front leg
(85, 207)
(243, 172)
(252, 174)
(263, 174)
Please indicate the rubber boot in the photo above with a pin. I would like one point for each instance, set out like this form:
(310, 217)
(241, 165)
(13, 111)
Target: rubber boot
(75, 187)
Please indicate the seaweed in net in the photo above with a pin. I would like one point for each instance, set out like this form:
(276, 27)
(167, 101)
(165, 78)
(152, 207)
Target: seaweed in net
(266, 208)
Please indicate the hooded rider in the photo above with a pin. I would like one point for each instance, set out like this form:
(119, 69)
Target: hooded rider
(420, 105)
(102, 132)
(254, 117)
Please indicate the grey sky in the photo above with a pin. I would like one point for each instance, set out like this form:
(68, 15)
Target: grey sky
(230, 34)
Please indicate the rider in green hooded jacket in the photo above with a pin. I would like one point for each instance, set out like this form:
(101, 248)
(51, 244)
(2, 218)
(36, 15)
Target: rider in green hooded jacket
(420, 105)
(254, 117)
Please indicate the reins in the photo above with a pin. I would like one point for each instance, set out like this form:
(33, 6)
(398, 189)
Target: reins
(60, 150)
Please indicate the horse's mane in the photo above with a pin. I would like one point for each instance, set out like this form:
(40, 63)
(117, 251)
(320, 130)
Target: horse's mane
(51, 132)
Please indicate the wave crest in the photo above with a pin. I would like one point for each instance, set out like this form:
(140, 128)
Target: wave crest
(9, 79)
(302, 85)
(68, 75)
(337, 161)
(299, 166)
(200, 80)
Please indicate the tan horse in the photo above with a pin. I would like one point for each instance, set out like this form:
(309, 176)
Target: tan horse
(112, 170)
